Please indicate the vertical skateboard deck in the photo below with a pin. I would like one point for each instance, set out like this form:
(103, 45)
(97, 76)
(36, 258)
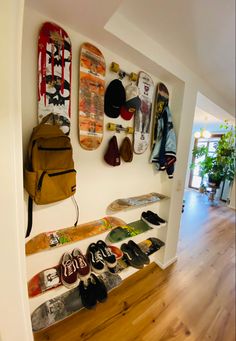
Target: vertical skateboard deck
(91, 96)
(161, 101)
(143, 117)
(49, 279)
(57, 238)
(60, 307)
(54, 75)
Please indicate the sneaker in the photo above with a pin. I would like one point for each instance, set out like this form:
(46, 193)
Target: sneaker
(99, 288)
(160, 220)
(82, 266)
(69, 277)
(130, 257)
(87, 294)
(139, 253)
(95, 258)
(107, 254)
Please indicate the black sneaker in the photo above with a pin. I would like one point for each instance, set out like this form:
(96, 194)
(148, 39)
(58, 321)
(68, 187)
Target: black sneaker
(99, 288)
(107, 255)
(130, 256)
(150, 219)
(87, 294)
(95, 258)
(160, 220)
(139, 253)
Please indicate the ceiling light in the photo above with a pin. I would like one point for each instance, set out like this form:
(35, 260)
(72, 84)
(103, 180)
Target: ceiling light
(206, 134)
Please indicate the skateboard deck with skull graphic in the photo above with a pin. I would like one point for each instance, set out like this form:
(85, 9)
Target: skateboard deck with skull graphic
(143, 116)
(54, 75)
(91, 96)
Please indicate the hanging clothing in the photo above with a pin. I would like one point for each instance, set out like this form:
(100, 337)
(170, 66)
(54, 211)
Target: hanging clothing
(164, 151)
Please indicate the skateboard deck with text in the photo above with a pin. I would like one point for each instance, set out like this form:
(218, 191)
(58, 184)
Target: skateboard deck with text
(91, 96)
(142, 118)
(54, 75)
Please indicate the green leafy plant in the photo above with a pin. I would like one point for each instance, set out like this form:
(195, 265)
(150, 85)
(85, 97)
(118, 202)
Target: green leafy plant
(222, 164)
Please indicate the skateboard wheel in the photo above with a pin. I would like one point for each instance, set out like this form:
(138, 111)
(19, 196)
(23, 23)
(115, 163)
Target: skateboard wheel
(115, 67)
(133, 76)
(129, 130)
(111, 126)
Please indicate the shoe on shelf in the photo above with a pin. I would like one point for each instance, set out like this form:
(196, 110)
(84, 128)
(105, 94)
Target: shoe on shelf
(99, 288)
(130, 257)
(81, 263)
(87, 294)
(69, 276)
(107, 254)
(161, 221)
(95, 258)
(138, 252)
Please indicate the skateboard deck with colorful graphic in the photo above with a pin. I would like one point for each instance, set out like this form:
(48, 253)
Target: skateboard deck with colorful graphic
(142, 119)
(161, 101)
(132, 202)
(57, 238)
(60, 307)
(91, 96)
(127, 231)
(54, 75)
(49, 279)
(63, 306)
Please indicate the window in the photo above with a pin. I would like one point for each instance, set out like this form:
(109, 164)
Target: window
(195, 178)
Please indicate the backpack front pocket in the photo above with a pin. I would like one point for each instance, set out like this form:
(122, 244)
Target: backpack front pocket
(55, 185)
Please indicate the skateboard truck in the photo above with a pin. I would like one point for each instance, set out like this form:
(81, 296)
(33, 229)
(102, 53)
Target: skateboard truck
(116, 68)
(118, 128)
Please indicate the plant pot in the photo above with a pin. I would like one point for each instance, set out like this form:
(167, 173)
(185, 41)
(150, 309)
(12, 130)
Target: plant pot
(212, 182)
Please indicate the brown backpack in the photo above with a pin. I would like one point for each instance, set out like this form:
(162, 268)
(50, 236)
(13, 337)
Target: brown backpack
(49, 173)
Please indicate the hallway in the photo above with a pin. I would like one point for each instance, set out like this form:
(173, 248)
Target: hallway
(191, 300)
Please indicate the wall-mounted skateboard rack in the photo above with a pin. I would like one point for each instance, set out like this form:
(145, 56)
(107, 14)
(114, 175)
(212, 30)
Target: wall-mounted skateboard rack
(116, 68)
(118, 128)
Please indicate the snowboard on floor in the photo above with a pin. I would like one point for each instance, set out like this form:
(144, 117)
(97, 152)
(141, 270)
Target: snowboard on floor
(54, 75)
(161, 101)
(132, 202)
(91, 96)
(60, 307)
(57, 238)
(49, 279)
(142, 119)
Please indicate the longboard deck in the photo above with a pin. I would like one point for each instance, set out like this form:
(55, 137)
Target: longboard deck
(142, 119)
(91, 96)
(132, 202)
(63, 306)
(57, 238)
(54, 74)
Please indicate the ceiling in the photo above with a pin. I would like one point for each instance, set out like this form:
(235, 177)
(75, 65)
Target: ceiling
(199, 33)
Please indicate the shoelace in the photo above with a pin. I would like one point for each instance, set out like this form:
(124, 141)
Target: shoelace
(98, 256)
(69, 268)
(81, 261)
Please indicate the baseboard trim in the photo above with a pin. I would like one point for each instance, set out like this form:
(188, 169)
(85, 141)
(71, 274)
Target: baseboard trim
(165, 265)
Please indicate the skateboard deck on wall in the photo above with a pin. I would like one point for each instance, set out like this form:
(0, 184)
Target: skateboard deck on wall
(132, 202)
(91, 96)
(54, 75)
(142, 119)
(127, 231)
(161, 101)
(49, 279)
(61, 307)
(57, 238)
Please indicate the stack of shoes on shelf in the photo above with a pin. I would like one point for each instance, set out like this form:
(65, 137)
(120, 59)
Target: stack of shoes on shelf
(100, 256)
(152, 219)
(74, 266)
(133, 255)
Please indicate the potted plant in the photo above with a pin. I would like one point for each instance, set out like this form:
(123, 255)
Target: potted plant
(221, 166)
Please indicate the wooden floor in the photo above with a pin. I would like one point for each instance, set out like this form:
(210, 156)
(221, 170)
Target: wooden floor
(191, 300)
